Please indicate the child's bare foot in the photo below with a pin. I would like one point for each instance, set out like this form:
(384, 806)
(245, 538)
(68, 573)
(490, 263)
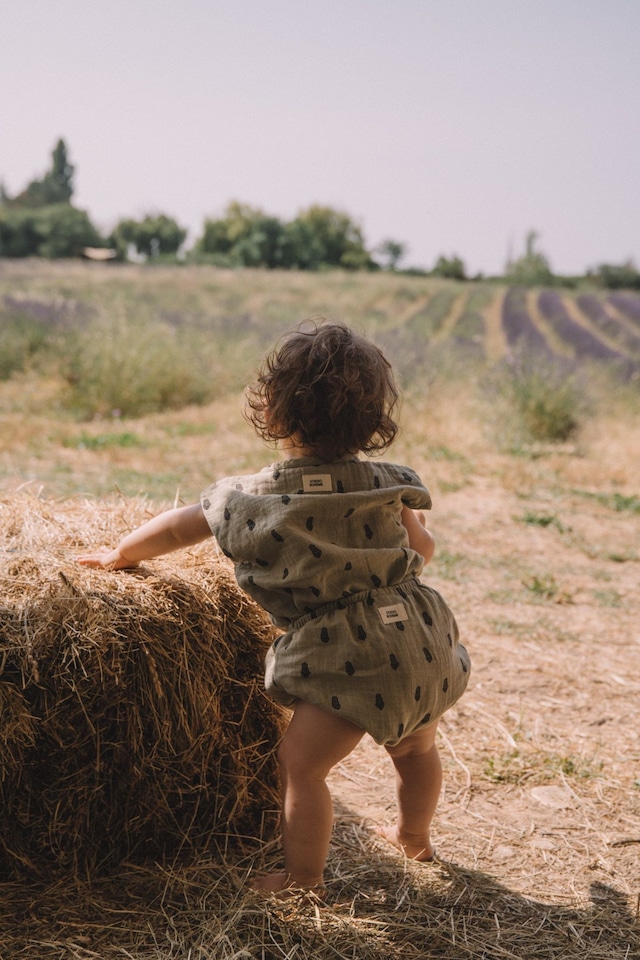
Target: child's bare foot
(283, 886)
(412, 850)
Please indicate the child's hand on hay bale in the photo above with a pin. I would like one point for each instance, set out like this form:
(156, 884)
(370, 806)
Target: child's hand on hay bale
(106, 560)
(169, 531)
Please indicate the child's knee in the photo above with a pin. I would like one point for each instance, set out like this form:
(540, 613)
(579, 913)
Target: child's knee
(415, 744)
(293, 762)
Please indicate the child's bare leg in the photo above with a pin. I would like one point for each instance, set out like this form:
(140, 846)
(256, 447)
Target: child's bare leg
(418, 783)
(314, 742)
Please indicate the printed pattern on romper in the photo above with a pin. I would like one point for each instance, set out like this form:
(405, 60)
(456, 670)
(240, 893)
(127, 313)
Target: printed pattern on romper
(322, 548)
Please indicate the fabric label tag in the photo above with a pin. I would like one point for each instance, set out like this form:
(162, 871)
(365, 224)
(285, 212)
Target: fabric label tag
(317, 483)
(393, 614)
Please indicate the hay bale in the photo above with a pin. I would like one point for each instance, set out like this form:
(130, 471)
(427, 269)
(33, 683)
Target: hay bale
(133, 722)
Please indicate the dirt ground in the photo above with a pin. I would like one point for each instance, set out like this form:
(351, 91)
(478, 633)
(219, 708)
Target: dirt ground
(538, 827)
(541, 755)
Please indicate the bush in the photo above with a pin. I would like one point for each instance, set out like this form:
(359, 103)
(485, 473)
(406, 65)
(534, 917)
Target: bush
(33, 332)
(153, 236)
(547, 399)
(245, 237)
(54, 231)
(532, 268)
(451, 268)
(132, 369)
(19, 342)
(622, 276)
(317, 239)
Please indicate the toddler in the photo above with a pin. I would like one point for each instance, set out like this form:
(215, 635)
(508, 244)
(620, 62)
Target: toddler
(332, 546)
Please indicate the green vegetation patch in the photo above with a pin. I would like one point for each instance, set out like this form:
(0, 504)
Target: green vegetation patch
(543, 520)
(618, 502)
(518, 767)
(445, 453)
(621, 504)
(544, 588)
(449, 565)
(103, 441)
(428, 321)
(549, 402)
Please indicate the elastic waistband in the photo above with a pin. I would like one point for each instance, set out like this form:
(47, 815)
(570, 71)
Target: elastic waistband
(379, 596)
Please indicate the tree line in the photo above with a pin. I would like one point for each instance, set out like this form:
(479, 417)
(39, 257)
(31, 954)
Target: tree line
(42, 221)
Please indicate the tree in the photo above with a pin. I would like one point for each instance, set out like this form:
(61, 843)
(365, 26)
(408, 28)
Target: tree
(56, 186)
(245, 236)
(61, 174)
(336, 240)
(452, 268)
(255, 237)
(18, 235)
(393, 252)
(318, 237)
(617, 276)
(152, 236)
(301, 247)
(40, 221)
(532, 269)
(215, 238)
(64, 231)
(57, 230)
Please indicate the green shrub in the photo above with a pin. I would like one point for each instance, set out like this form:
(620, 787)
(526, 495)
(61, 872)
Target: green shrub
(132, 369)
(622, 276)
(59, 230)
(547, 399)
(19, 343)
(429, 320)
(30, 331)
(154, 236)
(532, 268)
(452, 268)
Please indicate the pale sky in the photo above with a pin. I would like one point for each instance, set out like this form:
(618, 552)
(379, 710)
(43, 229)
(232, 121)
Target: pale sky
(453, 126)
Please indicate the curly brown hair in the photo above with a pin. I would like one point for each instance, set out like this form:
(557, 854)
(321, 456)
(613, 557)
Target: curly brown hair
(327, 387)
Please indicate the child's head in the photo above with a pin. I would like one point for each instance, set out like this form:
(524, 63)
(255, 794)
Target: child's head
(327, 388)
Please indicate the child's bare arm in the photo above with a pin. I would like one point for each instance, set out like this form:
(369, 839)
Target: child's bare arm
(420, 539)
(168, 531)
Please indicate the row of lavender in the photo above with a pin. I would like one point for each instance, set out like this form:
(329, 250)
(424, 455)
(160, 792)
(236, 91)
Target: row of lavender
(627, 335)
(617, 319)
(519, 329)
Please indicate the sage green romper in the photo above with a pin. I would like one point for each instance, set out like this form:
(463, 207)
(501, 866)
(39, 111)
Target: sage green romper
(321, 547)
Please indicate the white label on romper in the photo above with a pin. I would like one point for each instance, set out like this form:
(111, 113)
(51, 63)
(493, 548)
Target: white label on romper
(393, 614)
(317, 483)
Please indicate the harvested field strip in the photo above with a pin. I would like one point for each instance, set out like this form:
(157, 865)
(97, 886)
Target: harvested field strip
(457, 309)
(519, 329)
(559, 346)
(429, 321)
(496, 345)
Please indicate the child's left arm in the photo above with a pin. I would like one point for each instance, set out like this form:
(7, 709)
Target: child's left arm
(420, 539)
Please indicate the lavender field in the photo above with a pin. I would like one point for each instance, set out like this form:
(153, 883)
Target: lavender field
(51, 312)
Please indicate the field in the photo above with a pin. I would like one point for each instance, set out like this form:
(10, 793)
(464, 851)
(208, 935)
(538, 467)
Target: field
(522, 413)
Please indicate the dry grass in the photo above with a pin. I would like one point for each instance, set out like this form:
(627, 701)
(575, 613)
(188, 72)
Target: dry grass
(538, 829)
(134, 726)
(378, 909)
